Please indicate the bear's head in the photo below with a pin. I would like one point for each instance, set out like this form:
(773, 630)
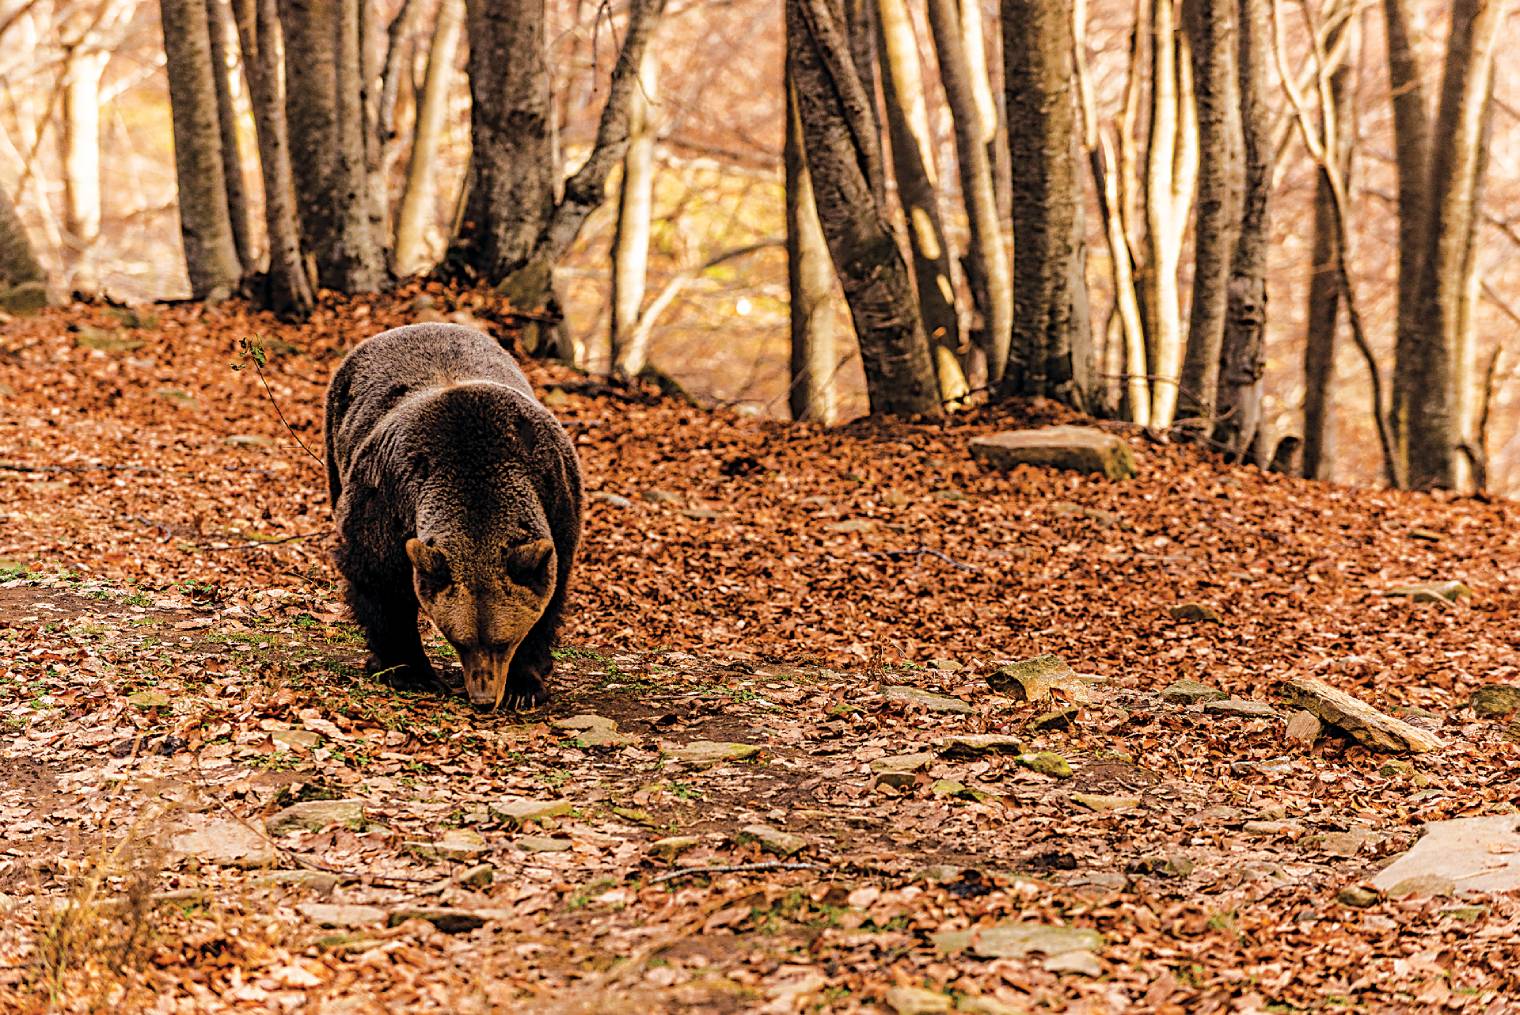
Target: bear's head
(485, 598)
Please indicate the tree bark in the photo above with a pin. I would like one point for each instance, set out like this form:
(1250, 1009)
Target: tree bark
(1429, 421)
(310, 33)
(18, 262)
(218, 23)
(989, 269)
(860, 28)
(918, 190)
(1213, 28)
(836, 126)
(358, 263)
(287, 287)
(1324, 307)
(1052, 343)
(1238, 396)
(205, 227)
(810, 284)
(83, 66)
(419, 197)
(630, 240)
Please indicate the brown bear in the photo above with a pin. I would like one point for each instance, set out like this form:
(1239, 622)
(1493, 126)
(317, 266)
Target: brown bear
(456, 490)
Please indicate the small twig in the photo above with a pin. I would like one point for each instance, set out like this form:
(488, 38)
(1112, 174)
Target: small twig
(737, 868)
(255, 355)
(254, 544)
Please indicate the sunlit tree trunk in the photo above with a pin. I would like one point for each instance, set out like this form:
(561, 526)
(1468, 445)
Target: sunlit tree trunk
(219, 23)
(83, 65)
(205, 227)
(1242, 363)
(918, 189)
(419, 197)
(630, 240)
(358, 264)
(1323, 311)
(810, 284)
(1052, 342)
(834, 112)
(1430, 417)
(288, 289)
(989, 270)
(1213, 28)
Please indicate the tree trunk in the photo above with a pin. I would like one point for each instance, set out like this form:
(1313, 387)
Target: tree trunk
(1324, 307)
(310, 32)
(18, 262)
(810, 284)
(630, 240)
(918, 189)
(82, 69)
(1171, 167)
(205, 227)
(419, 198)
(1213, 28)
(1430, 417)
(989, 270)
(1238, 396)
(836, 126)
(359, 260)
(1050, 353)
(860, 26)
(288, 289)
(220, 28)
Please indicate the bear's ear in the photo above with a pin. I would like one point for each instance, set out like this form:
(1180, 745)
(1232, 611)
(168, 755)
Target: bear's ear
(527, 563)
(429, 561)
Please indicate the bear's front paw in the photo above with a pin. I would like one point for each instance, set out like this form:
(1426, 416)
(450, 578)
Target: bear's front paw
(412, 676)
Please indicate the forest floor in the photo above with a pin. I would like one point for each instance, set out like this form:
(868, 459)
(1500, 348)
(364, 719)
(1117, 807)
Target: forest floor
(753, 599)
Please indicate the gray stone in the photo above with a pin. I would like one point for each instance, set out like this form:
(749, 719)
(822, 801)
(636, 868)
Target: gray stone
(1016, 940)
(927, 700)
(916, 1001)
(226, 843)
(1034, 679)
(1370, 727)
(593, 731)
(455, 844)
(1431, 592)
(295, 740)
(1104, 802)
(1480, 854)
(542, 844)
(1304, 727)
(1077, 448)
(327, 914)
(1357, 896)
(315, 815)
(1046, 763)
(1188, 692)
(149, 699)
(1244, 707)
(1080, 962)
(612, 499)
(1056, 719)
(902, 769)
(446, 919)
(774, 840)
(520, 810)
(705, 753)
(971, 745)
(673, 846)
(1493, 700)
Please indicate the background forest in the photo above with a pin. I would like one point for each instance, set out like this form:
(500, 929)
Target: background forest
(1191, 154)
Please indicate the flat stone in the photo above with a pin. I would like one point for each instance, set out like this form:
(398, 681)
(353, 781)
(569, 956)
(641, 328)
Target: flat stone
(1357, 897)
(1104, 802)
(659, 496)
(1370, 727)
(673, 846)
(315, 815)
(520, 810)
(226, 843)
(320, 882)
(972, 745)
(295, 740)
(1056, 719)
(478, 876)
(1431, 592)
(902, 769)
(585, 722)
(1344, 844)
(1244, 707)
(1035, 679)
(1270, 829)
(1172, 865)
(1016, 940)
(1194, 613)
(448, 919)
(542, 844)
(1493, 700)
(1188, 692)
(927, 700)
(945, 665)
(149, 699)
(1076, 448)
(774, 840)
(327, 914)
(1304, 727)
(616, 500)
(1079, 962)
(916, 1001)
(1046, 763)
(704, 753)
(1480, 854)
(455, 844)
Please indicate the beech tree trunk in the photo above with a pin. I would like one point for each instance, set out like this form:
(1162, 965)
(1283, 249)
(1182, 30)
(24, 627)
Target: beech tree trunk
(358, 262)
(918, 190)
(82, 70)
(1323, 311)
(1052, 342)
(419, 198)
(860, 28)
(287, 287)
(989, 269)
(18, 262)
(1243, 358)
(205, 226)
(630, 241)
(310, 34)
(1213, 28)
(218, 22)
(810, 284)
(834, 112)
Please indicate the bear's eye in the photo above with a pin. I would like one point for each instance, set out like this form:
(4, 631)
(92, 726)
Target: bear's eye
(528, 563)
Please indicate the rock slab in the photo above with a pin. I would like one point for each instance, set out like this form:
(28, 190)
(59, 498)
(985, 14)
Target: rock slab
(1475, 854)
(1370, 727)
(1076, 448)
